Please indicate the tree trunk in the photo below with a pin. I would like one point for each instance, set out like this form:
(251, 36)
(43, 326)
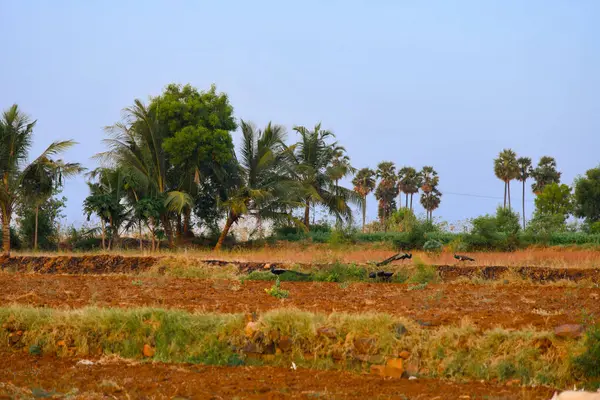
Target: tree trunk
(103, 236)
(140, 233)
(524, 203)
(504, 194)
(509, 206)
(168, 230)
(364, 212)
(35, 233)
(406, 201)
(307, 214)
(228, 223)
(179, 226)
(6, 234)
(411, 197)
(187, 218)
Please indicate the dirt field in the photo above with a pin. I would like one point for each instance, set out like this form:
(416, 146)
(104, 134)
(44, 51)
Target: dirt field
(113, 378)
(510, 306)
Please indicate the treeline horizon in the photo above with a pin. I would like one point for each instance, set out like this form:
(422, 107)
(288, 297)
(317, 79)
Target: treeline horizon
(170, 169)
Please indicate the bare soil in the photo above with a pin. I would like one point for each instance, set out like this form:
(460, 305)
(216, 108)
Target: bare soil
(114, 378)
(509, 306)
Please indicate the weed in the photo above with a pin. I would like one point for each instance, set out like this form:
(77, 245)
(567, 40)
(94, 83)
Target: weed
(137, 283)
(277, 292)
(424, 274)
(419, 286)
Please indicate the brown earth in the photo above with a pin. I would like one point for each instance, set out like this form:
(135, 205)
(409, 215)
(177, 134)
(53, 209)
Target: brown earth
(510, 306)
(116, 264)
(113, 378)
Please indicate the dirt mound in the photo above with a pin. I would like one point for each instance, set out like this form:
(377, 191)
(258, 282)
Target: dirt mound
(96, 264)
(536, 274)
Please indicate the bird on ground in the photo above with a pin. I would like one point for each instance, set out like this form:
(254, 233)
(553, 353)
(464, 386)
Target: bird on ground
(381, 274)
(280, 271)
(463, 258)
(405, 256)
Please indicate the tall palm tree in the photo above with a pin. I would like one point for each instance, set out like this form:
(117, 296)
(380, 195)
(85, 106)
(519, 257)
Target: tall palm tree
(136, 146)
(16, 130)
(524, 164)
(364, 183)
(41, 178)
(431, 197)
(387, 190)
(409, 181)
(506, 169)
(544, 174)
(259, 186)
(312, 163)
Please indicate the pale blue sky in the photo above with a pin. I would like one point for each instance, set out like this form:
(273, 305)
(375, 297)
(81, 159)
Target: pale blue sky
(442, 83)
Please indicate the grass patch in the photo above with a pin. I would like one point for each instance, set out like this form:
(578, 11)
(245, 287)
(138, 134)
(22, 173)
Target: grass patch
(277, 292)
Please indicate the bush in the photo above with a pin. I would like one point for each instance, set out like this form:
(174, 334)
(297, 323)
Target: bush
(587, 363)
(277, 292)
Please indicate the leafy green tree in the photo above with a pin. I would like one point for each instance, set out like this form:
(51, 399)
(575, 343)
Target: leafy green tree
(546, 224)
(431, 197)
(506, 169)
(148, 211)
(258, 184)
(524, 165)
(387, 190)
(16, 131)
(555, 199)
(507, 221)
(544, 174)
(587, 196)
(409, 181)
(312, 163)
(364, 183)
(41, 220)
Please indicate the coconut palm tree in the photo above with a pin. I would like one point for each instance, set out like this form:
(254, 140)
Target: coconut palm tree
(524, 164)
(431, 197)
(364, 183)
(16, 131)
(387, 190)
(40, 179)
(312, 163)
(258, 184)
(544, 174)
(506, 169)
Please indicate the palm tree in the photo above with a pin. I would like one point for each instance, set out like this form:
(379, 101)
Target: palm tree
(387, 190)
(258, 184)
(409, 181)
(136, 146)
(312, 163)
(41, 178)
(524, 164)
(16, 131)
(506, 169)
(431, 197)
(544, 174)
(364, 183)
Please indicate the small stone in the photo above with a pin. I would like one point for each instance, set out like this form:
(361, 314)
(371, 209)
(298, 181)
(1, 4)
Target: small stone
(61, 343)
(327, 332)
(412, 378)
(400, 330)
(251, 328)
(148, 350)
(365, 345)
(404, 355)
(569, 331)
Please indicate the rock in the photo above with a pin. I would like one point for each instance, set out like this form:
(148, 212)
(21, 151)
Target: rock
(404, 355)
(569, 331)
(267, 266)
(327, 332)
(365, 345)
(148, 351)
(400, 330)
(285, 344)
(61, 343)
(85, 362)
(412, 378)
(251, 328)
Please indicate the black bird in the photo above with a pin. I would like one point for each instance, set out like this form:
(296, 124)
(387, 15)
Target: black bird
(405, 256)
(381, 274)
(463, 258)
(279, 271)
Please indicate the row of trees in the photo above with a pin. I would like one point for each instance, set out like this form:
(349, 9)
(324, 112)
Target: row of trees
(509, 167)
(407, 181)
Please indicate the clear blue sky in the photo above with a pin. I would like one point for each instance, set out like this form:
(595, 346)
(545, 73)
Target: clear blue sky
(442, 83)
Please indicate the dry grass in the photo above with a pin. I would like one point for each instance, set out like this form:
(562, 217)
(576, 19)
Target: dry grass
(363, 253)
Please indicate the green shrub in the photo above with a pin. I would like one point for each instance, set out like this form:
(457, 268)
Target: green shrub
(588, 362)
(277, 292)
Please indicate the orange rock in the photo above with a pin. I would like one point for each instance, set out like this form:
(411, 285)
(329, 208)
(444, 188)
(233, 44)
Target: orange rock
(395, 363)
(148, 351)
(61, 343)
(569, 331)
(251, 328)
(404, 355)
(393, 372)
